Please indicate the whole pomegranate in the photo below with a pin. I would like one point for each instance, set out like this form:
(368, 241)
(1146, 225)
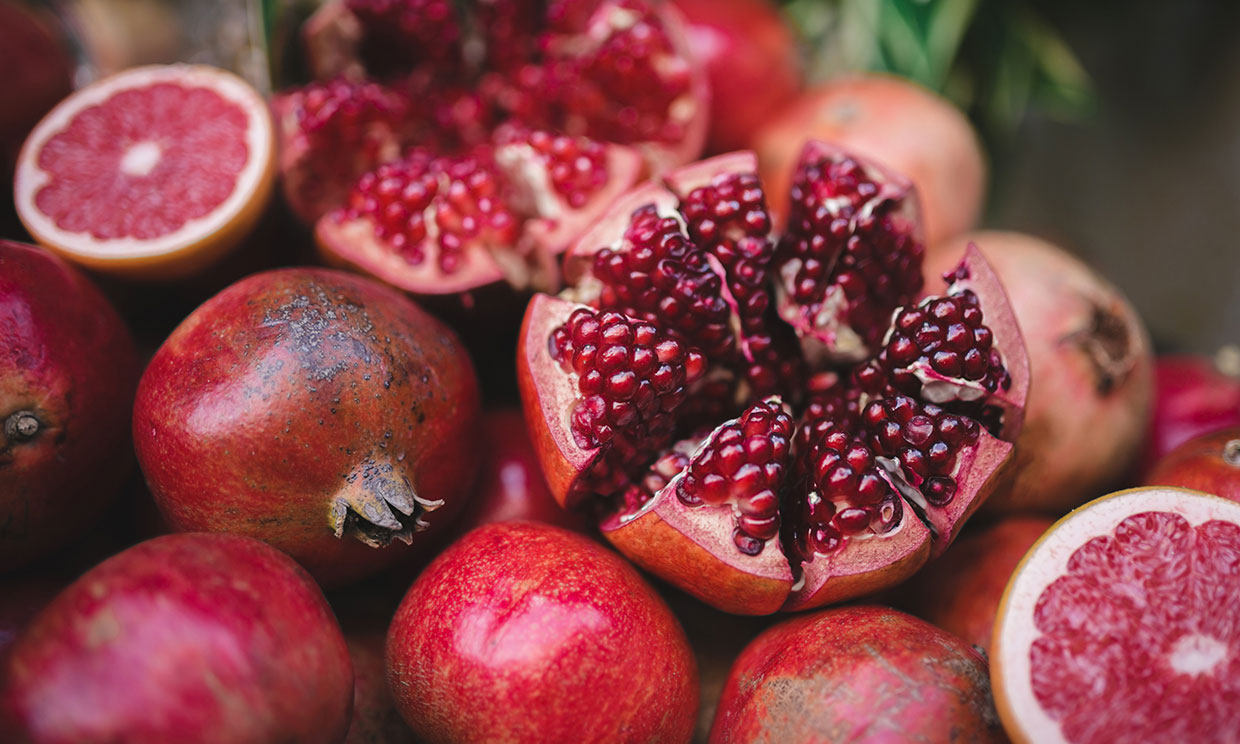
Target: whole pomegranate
(960, 592)
(320, 411)
(750, 54)
(896, 122)
(187, 638)
(857, 674)
(524, 632)
(772, 422)
(447, 146)
(1091, 365)
(68, 369)
(1210, 463)
(1193, 395)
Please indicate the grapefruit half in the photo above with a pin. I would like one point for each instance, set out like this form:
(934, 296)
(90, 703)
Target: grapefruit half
(153, 172)
(1123, 624)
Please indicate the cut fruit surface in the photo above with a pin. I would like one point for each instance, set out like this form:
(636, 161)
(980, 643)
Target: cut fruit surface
(772, 423)
(1119, 624)
(154, 171)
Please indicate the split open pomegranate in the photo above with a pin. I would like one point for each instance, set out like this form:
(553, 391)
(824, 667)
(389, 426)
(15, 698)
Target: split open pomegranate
(447, 146)
(772, 422)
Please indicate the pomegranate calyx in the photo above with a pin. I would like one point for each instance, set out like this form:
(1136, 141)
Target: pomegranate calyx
(20, 427)
(378, 505)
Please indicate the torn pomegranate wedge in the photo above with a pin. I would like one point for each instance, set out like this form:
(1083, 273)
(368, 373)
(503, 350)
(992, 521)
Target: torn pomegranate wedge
(772, 423)
(450, 145)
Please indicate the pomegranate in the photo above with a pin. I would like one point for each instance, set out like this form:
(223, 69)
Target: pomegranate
(40, 74)
(899, 124)
(68, 369)
(500, 636)
(960, 592)
(857, 674)
(665, 389)
(750, 54)
(182, 638)
(1091, 366)
(322, 412)
(446, 147)
(375, 718)
(1193, 395)
(1210, 463)
(1119, 624)
(510, 485)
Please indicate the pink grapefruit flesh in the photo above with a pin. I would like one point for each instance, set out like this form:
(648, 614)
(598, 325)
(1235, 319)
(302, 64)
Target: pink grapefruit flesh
(154, 171)
(1119, 624)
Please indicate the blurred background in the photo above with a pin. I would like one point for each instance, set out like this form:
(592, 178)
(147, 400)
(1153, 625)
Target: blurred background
(1112, 128)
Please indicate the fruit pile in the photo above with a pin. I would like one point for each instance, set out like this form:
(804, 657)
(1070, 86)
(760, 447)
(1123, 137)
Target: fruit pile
(765, 365)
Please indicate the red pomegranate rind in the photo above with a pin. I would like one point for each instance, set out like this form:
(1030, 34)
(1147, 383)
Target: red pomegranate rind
(549, 398)
(718, 516)
(851, 255)
(1123, 612)
(330, 134)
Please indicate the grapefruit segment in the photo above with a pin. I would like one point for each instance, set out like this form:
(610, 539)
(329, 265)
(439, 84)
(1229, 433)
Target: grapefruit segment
(155, 171)
(1119, 624)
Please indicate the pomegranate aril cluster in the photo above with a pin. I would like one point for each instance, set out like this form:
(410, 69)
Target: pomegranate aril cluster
(462, 196)
(848, 492)
(925, 439)
(342, 113)
(576, 166)
(846, 234)
(743, 463)
(627, 87)
(631, 375)
(403, 34)
(661, 276)
(948, 335)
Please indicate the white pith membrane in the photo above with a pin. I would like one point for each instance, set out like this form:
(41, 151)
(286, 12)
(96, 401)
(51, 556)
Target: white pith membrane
(1186, 678)
(853, 568)
(254, 176)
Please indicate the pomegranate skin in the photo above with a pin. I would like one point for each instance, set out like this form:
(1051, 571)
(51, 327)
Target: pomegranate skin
(750, 54)
(857, 674)
(1193, 395)
(1091, 373)
(1209, 463)
(375, 718)
(68, 369)
(898, 123)
(960, 592)
(183, 638)
(308, 408)
(524, 632)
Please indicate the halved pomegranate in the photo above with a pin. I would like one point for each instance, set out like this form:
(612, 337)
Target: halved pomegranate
(663, 389)
(1119, 624)
(486, 136)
